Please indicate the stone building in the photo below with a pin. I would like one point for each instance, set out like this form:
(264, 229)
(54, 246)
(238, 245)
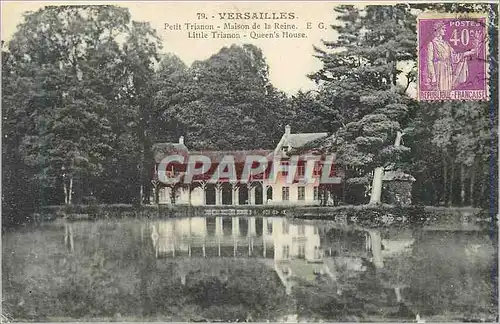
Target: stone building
(285, 185)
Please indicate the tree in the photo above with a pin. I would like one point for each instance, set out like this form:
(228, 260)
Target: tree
(141, 53)
(448, 148)
(17, 119)
(453, 144)
(225, 102)
(310, 115)
(87, 84)
(360, 70)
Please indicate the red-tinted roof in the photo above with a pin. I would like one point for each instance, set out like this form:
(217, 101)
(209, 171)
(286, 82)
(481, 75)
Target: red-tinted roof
(239, 156)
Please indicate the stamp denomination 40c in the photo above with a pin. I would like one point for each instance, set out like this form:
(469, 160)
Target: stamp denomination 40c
(452, 57)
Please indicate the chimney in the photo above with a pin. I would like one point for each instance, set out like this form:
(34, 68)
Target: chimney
(181, 140)
(288, 130)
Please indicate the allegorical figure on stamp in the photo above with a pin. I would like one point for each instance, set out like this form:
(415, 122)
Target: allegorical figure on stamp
(445, 68)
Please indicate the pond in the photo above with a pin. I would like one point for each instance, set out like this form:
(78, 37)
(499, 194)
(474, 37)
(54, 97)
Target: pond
(246, 269)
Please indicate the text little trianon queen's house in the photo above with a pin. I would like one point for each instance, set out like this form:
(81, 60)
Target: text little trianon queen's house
(245, 177)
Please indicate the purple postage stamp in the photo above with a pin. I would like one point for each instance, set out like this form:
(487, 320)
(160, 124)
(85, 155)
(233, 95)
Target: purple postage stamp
(452, 57)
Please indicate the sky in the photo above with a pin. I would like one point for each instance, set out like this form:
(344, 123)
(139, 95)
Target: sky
(290, 60)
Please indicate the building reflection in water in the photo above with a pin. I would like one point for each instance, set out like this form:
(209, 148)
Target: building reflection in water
(296, 251)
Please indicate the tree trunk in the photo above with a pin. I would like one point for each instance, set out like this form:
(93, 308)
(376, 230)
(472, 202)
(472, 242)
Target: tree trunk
(445, 179)
(376, 248)
(450, 195)
(144, 195)
(472, 183)
(344, 187)
(70, 194)
(141, 178)
(71, 240)
(378, 175)
(141, 169)
(376, 193)
(462, 184)
(483, 195)
(399, 137)
(65, 189)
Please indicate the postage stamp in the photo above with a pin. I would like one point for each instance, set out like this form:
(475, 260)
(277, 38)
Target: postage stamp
(452, 57)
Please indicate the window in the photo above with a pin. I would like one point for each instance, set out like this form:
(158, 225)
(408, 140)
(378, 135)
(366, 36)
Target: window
(286, 252)
(170, 171)
(302, 251)
(284, 167)
(300, 170)
(176, 169)
(286, 227)
(270, 226)
(162, 194)
(317, 168)
(285, 193)
(316, 193)
(302, 193)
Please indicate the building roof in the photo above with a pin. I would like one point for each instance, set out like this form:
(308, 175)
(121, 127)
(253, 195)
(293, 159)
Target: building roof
(298, 142)
(160, 150)
(238, 155)
(301, 139)
(294, 141)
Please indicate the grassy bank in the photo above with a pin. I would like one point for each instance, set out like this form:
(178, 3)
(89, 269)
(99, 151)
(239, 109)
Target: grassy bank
(364, 215)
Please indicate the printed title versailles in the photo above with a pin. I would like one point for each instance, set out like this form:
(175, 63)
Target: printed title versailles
(256, 15)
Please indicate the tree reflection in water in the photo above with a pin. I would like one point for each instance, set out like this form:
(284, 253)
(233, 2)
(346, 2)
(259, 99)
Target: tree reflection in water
(254, 268)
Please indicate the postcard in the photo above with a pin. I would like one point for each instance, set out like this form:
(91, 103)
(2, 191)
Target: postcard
(249, 161)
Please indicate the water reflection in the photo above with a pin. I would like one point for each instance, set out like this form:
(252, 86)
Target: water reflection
(272, 266)
(295, 250)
